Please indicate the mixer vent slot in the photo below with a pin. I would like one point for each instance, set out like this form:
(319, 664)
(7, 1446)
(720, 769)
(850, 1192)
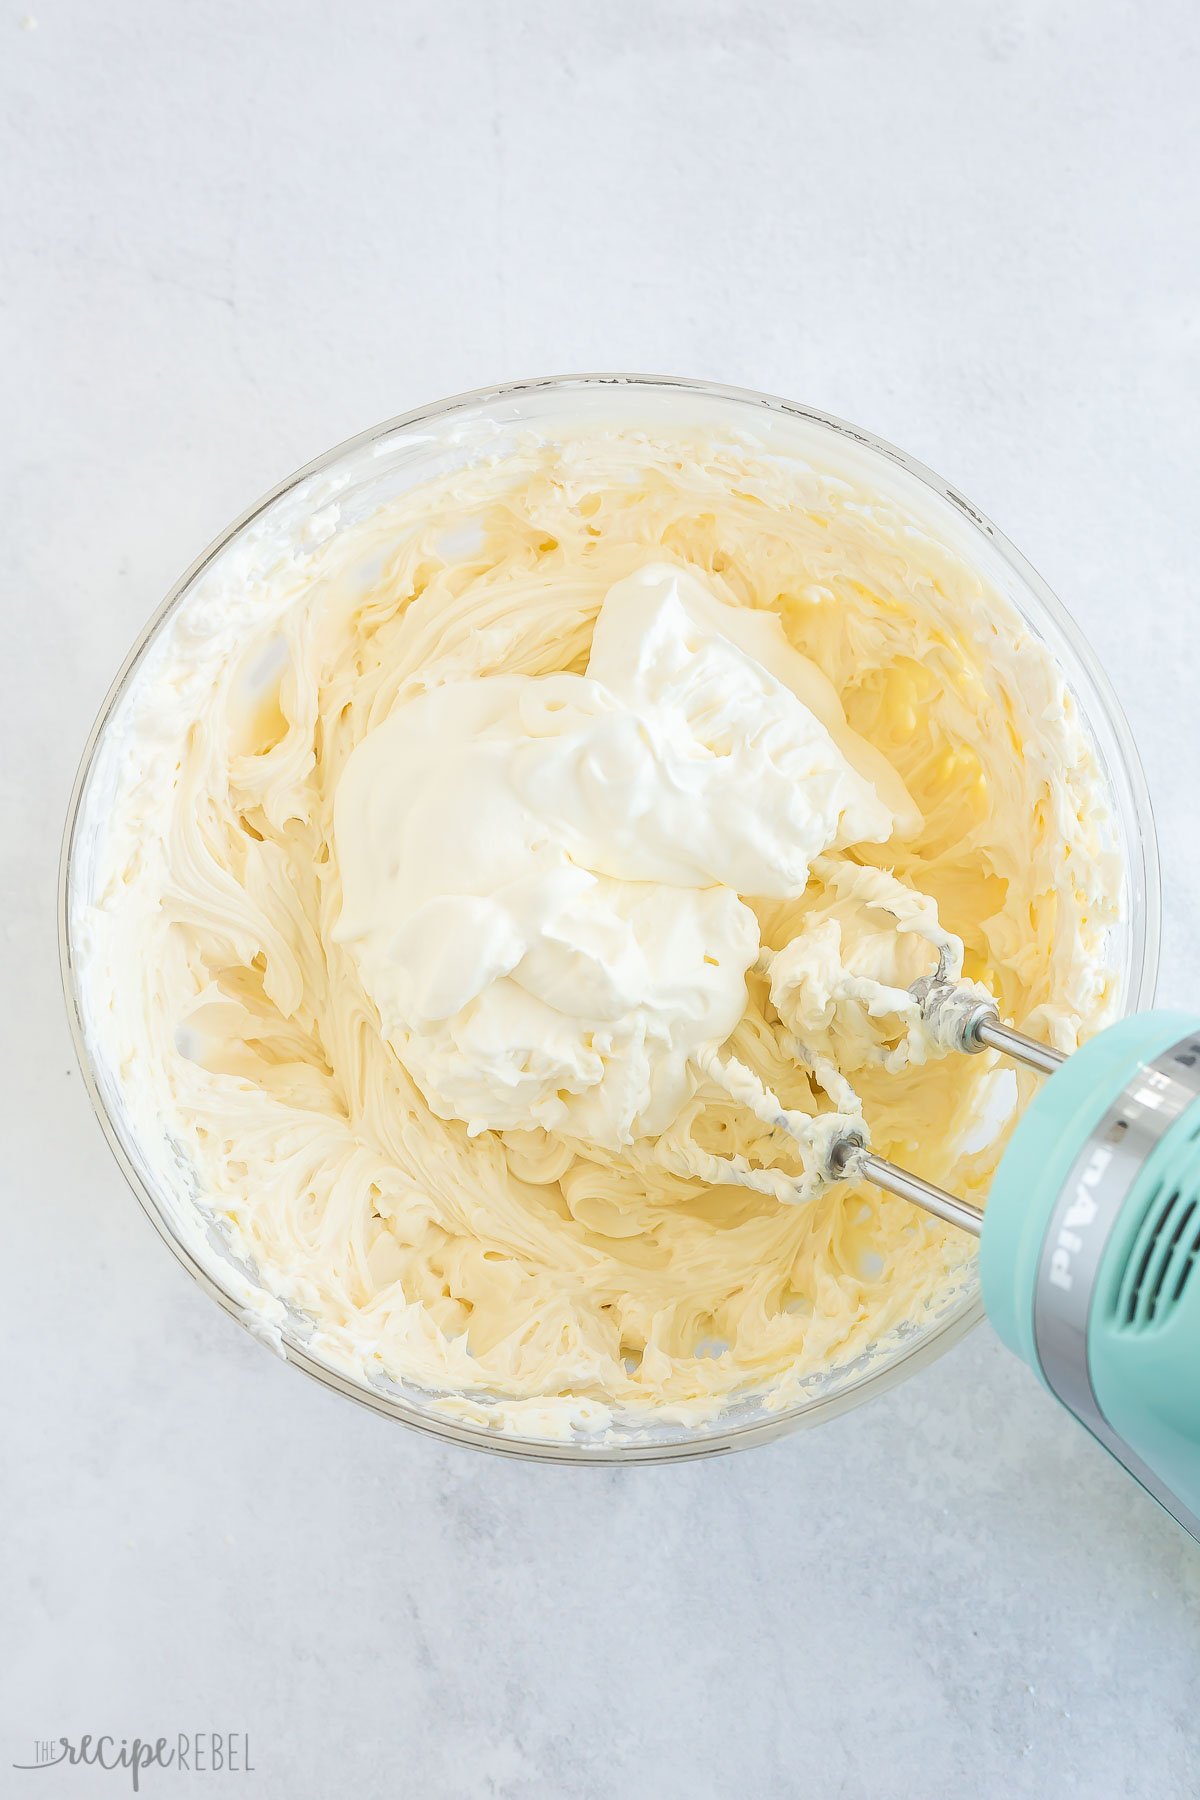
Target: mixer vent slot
(1165, 1254)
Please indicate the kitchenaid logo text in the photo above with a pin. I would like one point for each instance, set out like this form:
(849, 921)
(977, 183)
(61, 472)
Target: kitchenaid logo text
(198, 1753)
(1079, 1215)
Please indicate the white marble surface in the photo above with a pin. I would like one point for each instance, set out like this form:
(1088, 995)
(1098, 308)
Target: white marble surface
(238, 233)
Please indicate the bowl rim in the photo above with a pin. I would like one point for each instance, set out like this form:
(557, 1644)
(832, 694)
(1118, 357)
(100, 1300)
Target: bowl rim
(1143, 877)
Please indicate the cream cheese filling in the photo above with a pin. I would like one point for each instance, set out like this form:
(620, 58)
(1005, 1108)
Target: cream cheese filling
(469, 878)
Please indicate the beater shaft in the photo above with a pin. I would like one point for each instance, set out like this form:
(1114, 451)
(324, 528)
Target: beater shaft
(884, 1174)
(980, 1030)
(924, 1194)
(989, 1034)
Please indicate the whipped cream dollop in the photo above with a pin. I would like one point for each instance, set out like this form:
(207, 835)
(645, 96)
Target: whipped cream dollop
(541, 874)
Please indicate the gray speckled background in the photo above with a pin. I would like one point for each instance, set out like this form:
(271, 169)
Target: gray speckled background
(238, 233)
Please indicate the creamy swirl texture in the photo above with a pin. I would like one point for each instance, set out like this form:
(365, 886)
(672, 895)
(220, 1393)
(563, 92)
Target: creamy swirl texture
(503, 899)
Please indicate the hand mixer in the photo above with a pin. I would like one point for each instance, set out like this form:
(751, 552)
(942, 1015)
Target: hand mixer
(1090, 1247)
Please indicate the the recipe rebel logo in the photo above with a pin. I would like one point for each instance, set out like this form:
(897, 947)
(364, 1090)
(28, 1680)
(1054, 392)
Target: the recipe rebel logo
(190, 1753)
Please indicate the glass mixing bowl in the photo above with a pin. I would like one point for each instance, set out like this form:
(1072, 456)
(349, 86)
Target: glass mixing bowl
(435, 440)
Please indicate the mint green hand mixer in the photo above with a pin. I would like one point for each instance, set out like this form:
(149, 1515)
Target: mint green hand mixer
(1090, 1247)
